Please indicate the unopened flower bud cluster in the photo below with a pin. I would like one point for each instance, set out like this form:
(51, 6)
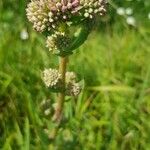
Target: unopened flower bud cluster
(57, 42)
(37, 13)
(47, 14)
(93, 7)
(52, 79)
(73, 88)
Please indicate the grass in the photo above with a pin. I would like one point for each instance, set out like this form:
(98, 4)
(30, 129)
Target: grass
(113, 111)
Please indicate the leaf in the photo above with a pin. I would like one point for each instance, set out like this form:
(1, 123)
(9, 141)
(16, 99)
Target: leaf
(27, 134)
(81, 34)
(79, 37)
(112, 88)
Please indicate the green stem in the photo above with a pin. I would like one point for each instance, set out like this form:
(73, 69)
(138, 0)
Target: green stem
(57, 118)
(61, 95)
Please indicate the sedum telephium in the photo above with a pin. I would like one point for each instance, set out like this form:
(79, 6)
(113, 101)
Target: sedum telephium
(66, 24)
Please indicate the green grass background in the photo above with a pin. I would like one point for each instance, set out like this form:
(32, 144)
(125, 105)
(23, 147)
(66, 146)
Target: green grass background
(112, 112)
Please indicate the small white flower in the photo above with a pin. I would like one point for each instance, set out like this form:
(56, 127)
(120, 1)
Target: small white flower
(129, 11)
(24, 34)
(45, 104)
(47, 112)
(121, 11)
(131, 21)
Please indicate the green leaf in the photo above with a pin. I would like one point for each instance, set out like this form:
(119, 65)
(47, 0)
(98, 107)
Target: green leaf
(81, 34)
(112, 88)
(27, 134)
(79, 37)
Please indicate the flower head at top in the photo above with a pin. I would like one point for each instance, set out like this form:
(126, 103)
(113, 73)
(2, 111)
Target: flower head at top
(57, 17)
(48, 14)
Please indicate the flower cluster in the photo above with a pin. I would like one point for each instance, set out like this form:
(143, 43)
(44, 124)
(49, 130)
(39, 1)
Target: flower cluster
(50, 16)
(93, 7)
(73, 88)
(37, 13)
(52, 79)
(57, 42)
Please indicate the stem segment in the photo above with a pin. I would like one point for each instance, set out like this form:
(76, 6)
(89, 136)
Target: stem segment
(61, 96)
(57, 118)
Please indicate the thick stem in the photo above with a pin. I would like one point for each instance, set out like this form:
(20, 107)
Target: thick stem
(57, 118)
(61, 96)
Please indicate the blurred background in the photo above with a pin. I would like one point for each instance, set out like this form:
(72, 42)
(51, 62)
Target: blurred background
(112, 112)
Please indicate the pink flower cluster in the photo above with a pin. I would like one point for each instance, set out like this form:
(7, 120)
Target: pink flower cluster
(49, 14)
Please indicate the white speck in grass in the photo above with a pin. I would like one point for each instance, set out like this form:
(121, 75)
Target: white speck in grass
(121, 11)
(46, 131)
(24, 35)
(47, 112)
(129, 11)
(149, 15)
(131, 21)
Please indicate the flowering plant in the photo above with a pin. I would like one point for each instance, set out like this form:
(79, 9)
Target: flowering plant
(66, 24)
(56, 17)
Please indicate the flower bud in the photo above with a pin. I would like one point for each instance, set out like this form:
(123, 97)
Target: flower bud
(58, 42)
(51, 78)
(73, 89)
(47, 14)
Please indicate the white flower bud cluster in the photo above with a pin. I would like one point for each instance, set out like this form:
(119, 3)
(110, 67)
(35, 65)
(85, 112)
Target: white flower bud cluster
(37, 14)
(45, 14)
(52, 79)
(72, 88)
(93, 7)
(57, 42)
(48, 14)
